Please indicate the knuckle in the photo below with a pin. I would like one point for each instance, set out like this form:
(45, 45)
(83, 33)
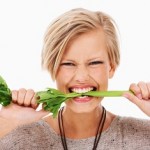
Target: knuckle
(33, 102)
(148, 85)
(22, 90)
(34, 105)
(141, 83)
(31, 91)
(145, 95)
(132, 85)
(27, 104)
(20, 103)
(14, 94)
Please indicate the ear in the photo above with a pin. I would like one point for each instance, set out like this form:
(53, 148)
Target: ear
(112, 70)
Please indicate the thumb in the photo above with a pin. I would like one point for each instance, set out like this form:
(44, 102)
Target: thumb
(42, 113)
(134, 99)
(142, 104)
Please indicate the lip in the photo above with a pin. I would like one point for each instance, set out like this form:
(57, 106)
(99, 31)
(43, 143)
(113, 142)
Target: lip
(82, 99)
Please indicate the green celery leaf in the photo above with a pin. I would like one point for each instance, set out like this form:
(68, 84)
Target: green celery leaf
(5, 93)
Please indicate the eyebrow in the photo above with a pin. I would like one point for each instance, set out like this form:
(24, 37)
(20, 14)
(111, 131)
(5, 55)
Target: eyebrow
(94, 58)
(71, 60)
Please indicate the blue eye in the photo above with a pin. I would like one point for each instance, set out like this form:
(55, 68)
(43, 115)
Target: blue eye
(96, 62)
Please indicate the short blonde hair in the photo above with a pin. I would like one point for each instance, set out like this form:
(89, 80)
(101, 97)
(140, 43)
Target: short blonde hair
(72, 24)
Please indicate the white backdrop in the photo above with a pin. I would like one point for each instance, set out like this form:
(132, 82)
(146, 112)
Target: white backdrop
(23, 24)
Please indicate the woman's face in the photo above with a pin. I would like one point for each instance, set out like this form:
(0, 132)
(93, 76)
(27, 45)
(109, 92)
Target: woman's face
(85, 66)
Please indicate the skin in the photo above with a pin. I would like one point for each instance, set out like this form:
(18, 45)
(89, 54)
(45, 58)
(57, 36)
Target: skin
(85, 64)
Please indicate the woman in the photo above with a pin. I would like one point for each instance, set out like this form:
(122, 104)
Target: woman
(81, 52)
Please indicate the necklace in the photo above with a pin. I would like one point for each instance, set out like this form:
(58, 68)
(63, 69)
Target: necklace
(98, 133)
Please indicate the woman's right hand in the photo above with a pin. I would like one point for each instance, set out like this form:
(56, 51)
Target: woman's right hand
(22, 110)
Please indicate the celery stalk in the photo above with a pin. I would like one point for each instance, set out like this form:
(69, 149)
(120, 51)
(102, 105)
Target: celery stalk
(105, 93)
(52, 98)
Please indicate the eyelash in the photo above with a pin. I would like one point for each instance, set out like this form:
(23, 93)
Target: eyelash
(67, 64)
(96, 62)
(91, 63)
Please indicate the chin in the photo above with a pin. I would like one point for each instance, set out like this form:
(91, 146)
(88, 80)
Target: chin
(81, 108)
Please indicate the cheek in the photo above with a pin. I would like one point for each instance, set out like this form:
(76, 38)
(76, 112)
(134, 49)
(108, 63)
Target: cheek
(101, 77)
(63, 77)
(101, 74)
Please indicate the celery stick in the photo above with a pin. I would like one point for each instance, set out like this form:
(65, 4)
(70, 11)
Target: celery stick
(105, 93)
(52, 98)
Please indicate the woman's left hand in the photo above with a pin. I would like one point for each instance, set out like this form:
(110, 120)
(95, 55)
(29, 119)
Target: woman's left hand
(141, 96)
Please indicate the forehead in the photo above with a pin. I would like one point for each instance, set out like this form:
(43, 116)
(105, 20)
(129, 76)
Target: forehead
(89, 44)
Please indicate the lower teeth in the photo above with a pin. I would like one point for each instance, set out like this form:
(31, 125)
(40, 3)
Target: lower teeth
(83, 96)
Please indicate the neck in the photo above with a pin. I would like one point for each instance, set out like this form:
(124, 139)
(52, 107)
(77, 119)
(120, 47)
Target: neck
(81, 125)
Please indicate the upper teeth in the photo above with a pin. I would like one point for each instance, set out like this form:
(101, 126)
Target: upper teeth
(83, 90)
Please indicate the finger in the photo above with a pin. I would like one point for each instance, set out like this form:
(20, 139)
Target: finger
(34, 103)
(136, 90)
(148, 86)
(14, 96)
(142, 104)
(21, 96)
(144, 90)
(134, 99)
(28, 97)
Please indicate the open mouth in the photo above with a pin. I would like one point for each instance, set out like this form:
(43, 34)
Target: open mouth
(82, 98)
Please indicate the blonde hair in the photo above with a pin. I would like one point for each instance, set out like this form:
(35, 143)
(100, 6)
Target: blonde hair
(70, 25)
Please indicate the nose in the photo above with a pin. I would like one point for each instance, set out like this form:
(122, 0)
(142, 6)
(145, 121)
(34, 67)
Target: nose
(81, 74)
